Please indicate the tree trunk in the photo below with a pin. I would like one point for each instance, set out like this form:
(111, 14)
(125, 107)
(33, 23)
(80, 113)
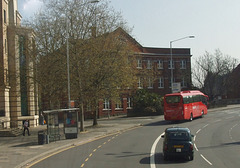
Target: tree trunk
(95, 116)
(82, 119)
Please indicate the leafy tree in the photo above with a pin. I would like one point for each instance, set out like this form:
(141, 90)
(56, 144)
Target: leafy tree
(98, 55)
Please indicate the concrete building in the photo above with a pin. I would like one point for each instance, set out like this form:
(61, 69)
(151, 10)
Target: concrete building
(18, 91)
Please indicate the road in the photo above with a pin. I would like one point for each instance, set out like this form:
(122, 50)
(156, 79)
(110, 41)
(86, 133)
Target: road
(217, 144)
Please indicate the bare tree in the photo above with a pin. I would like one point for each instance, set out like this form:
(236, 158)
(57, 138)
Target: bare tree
(210, 72)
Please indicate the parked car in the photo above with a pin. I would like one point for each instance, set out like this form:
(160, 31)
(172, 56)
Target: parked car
(178, 143)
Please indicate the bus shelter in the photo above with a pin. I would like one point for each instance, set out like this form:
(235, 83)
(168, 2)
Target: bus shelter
(66, 119)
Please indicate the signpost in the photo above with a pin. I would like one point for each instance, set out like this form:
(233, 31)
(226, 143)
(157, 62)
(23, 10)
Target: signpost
(176, 87)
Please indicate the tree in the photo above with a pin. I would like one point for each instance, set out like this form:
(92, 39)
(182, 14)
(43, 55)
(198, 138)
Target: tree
(98, 55)
(211, 72)
(147, 103)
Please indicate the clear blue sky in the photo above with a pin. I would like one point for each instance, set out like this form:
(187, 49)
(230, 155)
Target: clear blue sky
(214, 23)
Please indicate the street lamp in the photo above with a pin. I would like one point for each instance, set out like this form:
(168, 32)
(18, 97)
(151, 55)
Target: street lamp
(68, 73)
(171, 61)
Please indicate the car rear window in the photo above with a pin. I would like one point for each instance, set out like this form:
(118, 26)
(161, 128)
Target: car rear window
(178, 136)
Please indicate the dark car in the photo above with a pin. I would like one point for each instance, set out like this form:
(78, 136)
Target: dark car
(177, 143)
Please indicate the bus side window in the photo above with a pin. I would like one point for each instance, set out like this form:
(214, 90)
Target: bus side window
(185, 99)
(190, 99)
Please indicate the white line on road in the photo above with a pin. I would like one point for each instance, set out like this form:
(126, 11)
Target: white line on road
(205, 126)
(152, 154)
(195, 147)
(206, 160)
(198, 131)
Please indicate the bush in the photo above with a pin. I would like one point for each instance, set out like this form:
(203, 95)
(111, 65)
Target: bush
(147, 103)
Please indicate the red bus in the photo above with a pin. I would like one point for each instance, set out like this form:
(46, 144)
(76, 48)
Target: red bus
(185, 105)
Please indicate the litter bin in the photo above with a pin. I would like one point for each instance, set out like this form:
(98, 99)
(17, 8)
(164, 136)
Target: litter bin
(41, 137)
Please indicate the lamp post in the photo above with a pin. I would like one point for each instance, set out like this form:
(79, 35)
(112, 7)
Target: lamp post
(171, 54)
(68, 73)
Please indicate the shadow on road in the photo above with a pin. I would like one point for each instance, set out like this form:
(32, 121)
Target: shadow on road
(159, 160)
(164, 122)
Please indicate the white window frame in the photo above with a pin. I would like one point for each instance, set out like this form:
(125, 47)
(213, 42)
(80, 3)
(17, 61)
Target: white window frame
(139, 63)
(140, 84)
(129, 103)
(171, 66)
(106, 104)
(119, 104)
(183, 64)
(149, 64)
(160, 82)
(150, 83)
(160, 64)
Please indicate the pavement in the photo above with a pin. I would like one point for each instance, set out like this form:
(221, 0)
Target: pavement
(21, 151)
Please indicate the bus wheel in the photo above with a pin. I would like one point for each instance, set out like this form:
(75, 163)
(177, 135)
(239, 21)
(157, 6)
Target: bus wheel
(191, 117)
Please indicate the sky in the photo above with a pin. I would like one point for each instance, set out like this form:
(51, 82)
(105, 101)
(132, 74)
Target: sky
(214, 23)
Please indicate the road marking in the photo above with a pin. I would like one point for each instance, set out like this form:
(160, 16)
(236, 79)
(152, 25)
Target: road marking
(82, 165)
(152, 154)
(205, 125)
(195, 147)
(206, 160)
(198, 131)
(194, 139)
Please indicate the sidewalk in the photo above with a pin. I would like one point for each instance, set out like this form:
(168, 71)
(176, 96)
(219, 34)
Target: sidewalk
(18, 152)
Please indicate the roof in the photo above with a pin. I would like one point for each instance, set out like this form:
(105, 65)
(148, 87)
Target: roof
(174, 129)
(187, 93)
(152, 51)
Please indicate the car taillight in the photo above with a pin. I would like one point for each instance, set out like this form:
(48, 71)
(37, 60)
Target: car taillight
(165, 147)
(191, 146)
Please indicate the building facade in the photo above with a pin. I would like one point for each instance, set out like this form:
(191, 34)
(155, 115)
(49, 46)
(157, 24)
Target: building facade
(18, 91)
(154, 73)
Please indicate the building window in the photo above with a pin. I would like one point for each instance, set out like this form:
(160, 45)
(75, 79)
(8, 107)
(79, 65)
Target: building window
(140, 83)
(170, 82)
(118, 104)
(183, 83)
(170, 65)
(183, 64)
(129, 102)
(5, 16)
(161, 82)
(139, 63)
(106, 104)
(150, 83)
(160, 64)
(149, 64)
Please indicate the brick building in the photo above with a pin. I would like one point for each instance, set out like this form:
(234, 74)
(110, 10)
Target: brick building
(18, 92)
(154, 73)
(234, 85)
